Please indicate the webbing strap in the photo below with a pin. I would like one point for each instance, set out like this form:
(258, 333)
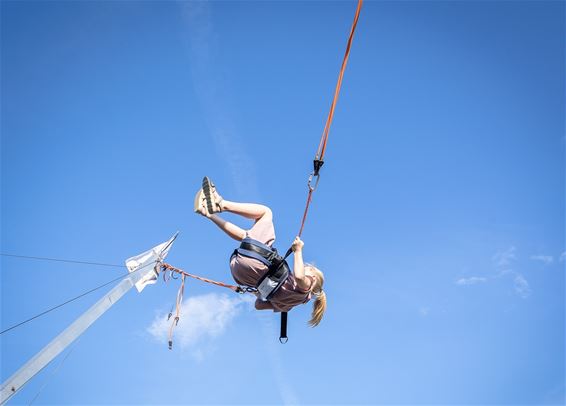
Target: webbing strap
(252, 254)
(283, 335)
(179, 301)
(257, 250)
(250, 243)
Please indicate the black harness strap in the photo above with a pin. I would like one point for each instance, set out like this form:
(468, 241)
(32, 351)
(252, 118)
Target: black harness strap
(283, 332)
(283, 335)
(278, 269)
(268, 254)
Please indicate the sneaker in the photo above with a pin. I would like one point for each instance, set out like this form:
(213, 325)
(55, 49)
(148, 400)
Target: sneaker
(213, 199)
(200, 203)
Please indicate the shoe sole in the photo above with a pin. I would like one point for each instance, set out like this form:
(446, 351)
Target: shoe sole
(207, 186)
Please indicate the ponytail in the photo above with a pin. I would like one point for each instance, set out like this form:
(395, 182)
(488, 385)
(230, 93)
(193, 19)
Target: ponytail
(318, 309)
(319, 305)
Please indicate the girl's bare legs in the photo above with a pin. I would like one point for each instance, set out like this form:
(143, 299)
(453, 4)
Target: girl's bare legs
(248, 210)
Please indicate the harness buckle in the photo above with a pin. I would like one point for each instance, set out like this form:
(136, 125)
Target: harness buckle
(245, 289)
(273, 257)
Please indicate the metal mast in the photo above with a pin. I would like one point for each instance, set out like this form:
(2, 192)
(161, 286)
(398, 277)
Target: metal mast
(142, 271)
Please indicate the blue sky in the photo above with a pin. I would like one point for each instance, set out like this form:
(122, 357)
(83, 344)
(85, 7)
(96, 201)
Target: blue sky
(439, 220)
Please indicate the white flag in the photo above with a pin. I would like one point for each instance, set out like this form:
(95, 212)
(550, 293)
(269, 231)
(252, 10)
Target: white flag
(150, 258)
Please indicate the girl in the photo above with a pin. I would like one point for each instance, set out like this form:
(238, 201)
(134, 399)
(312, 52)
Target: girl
(305, 281)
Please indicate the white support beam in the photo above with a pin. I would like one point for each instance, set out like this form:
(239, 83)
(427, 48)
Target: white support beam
(142, 271)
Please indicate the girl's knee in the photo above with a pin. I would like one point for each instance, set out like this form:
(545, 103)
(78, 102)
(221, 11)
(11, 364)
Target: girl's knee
(267, 213)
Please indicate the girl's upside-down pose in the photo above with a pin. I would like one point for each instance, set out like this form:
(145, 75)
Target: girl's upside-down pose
(305, 281)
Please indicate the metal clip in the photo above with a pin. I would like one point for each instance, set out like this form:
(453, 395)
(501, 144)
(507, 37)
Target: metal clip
(316, 177)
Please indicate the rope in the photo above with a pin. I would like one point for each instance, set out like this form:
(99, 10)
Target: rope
(319, 157)
(62, 260)
(72, 300)
(324, 139)
(168, 267)
(54, 372)
(309, 200)
(171, 268)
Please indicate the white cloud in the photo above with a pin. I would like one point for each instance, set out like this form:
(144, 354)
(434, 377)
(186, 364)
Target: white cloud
(546, 259)
(503, 262)
(471, 281)
(522, 287)
(503, 259)
(202, 318)
(563, 256)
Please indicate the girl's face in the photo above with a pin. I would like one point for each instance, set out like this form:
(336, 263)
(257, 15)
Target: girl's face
(310, 272)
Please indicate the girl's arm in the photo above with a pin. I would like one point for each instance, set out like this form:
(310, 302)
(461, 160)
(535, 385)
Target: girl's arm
(299, 265)
(232, 230)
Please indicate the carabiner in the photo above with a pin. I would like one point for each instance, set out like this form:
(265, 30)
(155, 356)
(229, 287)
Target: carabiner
(316, 178)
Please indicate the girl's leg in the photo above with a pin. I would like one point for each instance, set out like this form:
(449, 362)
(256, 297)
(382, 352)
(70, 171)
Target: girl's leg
(216, 203)
(248, 210)
(263, 229)
(252, 211)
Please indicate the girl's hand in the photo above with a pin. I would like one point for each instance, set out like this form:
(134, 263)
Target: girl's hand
(204, 212)
(297, 244)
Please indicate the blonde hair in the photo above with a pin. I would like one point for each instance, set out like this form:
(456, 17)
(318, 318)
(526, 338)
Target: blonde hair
(319, 305)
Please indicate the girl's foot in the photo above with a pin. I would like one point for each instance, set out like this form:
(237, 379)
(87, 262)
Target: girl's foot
(213, 199)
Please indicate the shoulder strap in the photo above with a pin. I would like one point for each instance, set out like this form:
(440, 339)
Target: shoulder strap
(254, 255)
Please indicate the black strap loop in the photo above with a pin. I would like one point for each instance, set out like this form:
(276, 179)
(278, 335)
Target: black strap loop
(283, 336)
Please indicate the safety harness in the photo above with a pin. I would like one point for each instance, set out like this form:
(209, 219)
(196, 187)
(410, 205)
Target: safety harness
(276, 275)
(278, 269)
